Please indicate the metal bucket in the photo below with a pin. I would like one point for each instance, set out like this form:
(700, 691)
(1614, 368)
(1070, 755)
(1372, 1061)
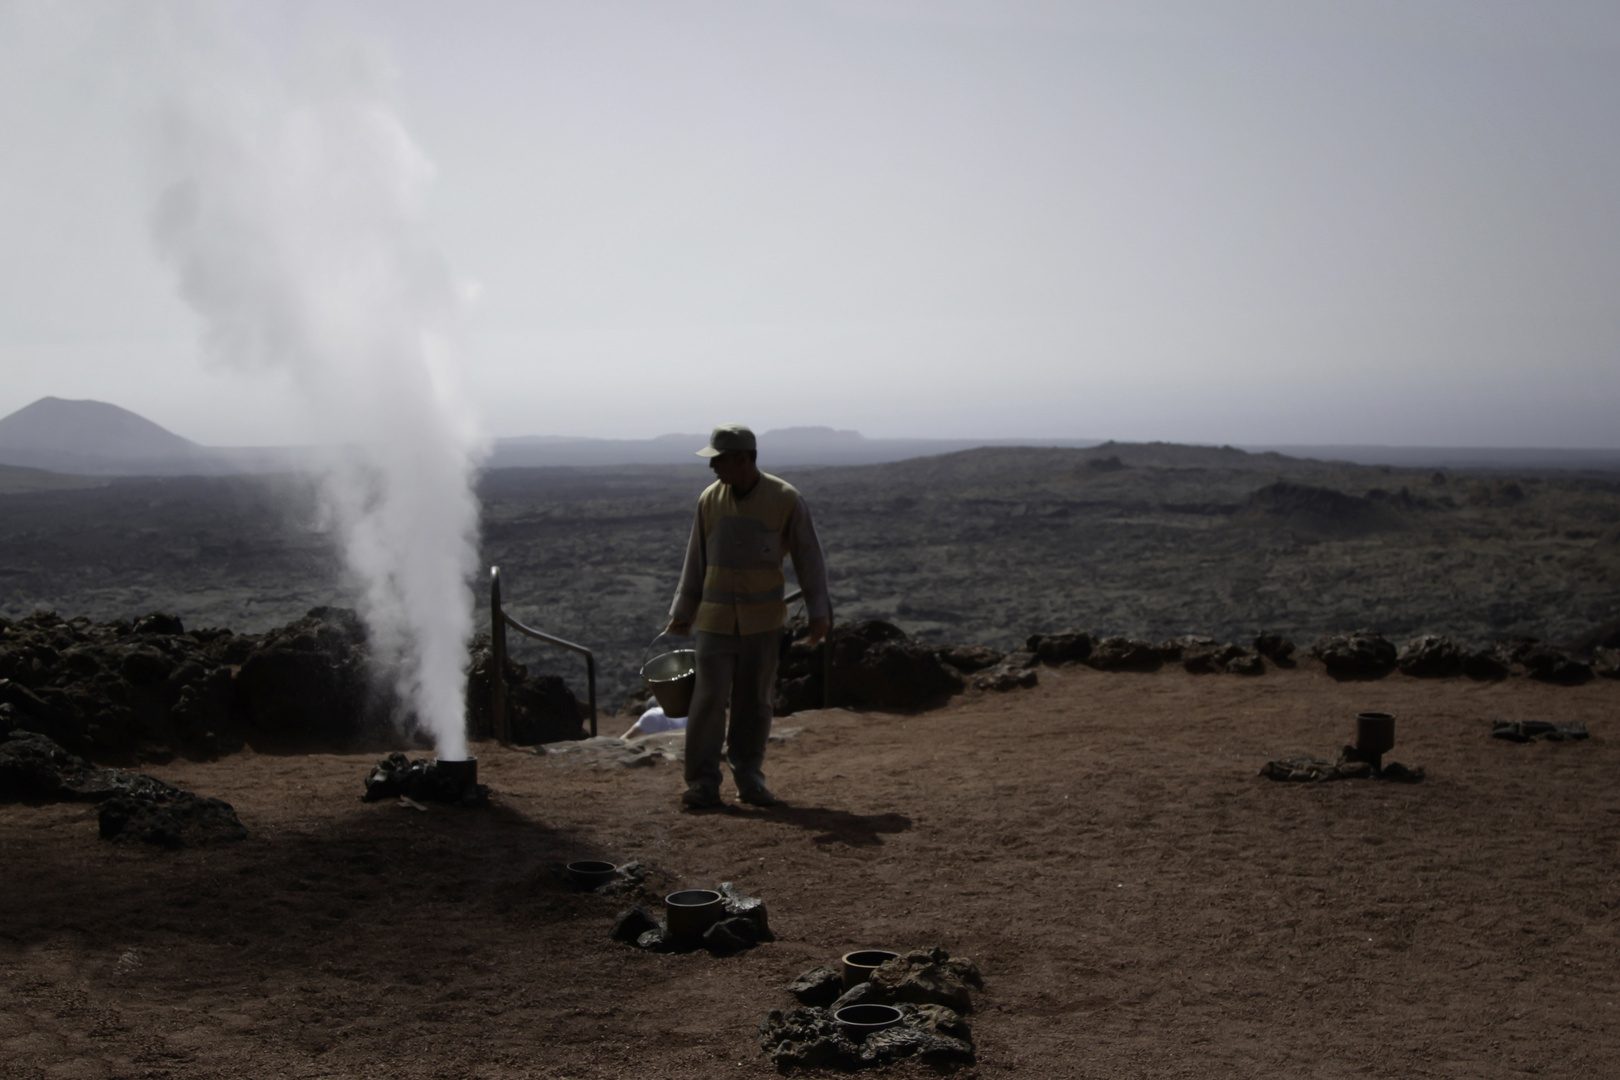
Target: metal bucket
(692, 911)
(671, 677)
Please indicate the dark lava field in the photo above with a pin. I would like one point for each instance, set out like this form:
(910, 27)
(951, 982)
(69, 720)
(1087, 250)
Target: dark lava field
(984, 546)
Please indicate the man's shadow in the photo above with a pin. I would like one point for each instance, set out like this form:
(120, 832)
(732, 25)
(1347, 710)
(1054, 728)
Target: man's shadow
(836, 826)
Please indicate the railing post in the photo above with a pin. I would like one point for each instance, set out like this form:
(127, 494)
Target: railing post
(497, 646)
(499, 620)
(590, 671)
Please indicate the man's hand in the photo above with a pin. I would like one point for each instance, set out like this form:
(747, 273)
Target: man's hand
(678, 628)
(818, 630)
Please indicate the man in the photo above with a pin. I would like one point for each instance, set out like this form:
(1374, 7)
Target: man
(731, 592)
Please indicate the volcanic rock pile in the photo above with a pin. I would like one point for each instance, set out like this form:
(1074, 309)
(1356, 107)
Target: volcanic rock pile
(34, 769)
(1364, 654)
(744, 925)
(1522, 731)
(1351, 765)
(423, 780)
(150, 689)
(876, 665)
(930, 988)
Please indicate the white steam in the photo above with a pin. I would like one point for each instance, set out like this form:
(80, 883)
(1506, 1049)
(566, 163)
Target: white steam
(294, 222)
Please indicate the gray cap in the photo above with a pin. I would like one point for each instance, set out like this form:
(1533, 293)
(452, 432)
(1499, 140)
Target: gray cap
(728, 437)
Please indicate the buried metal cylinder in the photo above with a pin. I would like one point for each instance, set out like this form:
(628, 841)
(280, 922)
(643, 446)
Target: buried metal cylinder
(1375, 736)
(857, 967)
(591, 873)
(692, 911)
(859, 1021)
(463, 771)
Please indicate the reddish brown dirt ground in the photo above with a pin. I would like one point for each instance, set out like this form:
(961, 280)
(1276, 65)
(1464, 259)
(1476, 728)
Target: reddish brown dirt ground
(1142, 904)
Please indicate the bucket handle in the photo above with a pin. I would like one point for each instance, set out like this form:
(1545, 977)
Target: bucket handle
(648, 650)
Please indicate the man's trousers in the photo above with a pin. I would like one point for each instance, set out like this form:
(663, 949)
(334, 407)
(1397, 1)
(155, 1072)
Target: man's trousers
(741, 669)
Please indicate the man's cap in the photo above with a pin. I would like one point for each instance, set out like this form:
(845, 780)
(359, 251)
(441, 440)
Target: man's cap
(728, 437)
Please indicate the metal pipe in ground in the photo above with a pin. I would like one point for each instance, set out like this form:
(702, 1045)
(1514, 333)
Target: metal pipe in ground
(1375, 737)
(497, 647)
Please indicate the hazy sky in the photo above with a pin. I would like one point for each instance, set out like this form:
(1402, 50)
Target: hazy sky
(1284, 222)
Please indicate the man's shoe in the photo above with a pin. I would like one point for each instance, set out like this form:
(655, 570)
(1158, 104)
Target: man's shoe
(758, 796)
(701, 798)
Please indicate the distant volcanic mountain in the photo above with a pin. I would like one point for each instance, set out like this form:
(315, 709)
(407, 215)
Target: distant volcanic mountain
(95, 438)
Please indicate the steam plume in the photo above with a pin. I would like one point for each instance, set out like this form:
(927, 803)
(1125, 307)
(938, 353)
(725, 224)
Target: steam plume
(294, 224)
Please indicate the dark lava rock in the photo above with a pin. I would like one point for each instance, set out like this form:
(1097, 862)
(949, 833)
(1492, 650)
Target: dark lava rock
(862, 993)
(912, 1038)
(159, 623)
(729, 936)
(173, 819)
(968, 658)
(1350, 766)
(806, 1037)
(628, 878)
(1246, 663)
(1606, 662)
(1019, 659)
(818, 986)
(1274, 647)
(1124, 654)
(927, 977)
(126, 692)
(422, 780)
(1196, 654)
(1549, 664)
(104, 690)
(1205, 655)
(33, 769)
(310, 685)
(1069, 646)
(809, 1037)
(1360, 654)
(1003, 678)
(632, 923)
(1514, 648)
(875, 665)
(658, 939)
(1522, 731)
(1606, 635)
(145, 666)
(739, 905)
(1484, 665)
(1430, 657)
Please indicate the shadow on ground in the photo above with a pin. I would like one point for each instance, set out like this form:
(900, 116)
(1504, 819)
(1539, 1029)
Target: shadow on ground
(838, 826)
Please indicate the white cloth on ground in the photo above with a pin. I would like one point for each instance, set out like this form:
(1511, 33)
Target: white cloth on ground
(655, 720)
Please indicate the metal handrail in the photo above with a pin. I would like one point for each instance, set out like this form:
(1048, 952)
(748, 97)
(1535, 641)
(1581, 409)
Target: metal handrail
(499, 620)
